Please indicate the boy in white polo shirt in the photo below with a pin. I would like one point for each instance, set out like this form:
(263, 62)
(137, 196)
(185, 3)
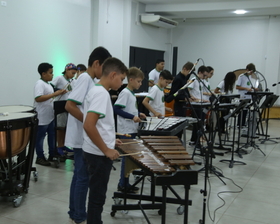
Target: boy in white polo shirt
(99, 136)
(64, 82)
(245, 84)
(196, 92)
(154, 74)
(43, 96)
(128, 116)
(74, 133)
(154, 101)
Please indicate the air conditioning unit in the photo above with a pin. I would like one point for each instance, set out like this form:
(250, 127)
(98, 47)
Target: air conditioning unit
(158, 21)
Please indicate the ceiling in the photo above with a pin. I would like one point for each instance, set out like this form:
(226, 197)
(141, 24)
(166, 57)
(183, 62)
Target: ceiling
(183, 10)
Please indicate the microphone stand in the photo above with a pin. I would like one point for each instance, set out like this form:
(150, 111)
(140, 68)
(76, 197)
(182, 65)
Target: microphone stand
(250, 137)
(208, 152)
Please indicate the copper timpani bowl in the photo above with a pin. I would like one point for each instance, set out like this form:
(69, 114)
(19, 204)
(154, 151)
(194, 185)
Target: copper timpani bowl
(14, 133)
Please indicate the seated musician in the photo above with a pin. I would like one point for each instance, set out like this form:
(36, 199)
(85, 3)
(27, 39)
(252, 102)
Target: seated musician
(128, 117)
(225, 87)
(196, 93)
(154, 101)
(245, 84)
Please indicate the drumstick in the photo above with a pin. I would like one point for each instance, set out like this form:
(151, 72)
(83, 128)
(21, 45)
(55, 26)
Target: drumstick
(134, 153)
(127, 143)
(126, 135)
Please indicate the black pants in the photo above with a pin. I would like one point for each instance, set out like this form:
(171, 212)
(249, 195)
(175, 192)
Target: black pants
(99, 168)
(242, 121)
(198, 126)
(180, 110)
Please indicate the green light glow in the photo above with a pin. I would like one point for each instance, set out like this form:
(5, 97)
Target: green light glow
(59, 59)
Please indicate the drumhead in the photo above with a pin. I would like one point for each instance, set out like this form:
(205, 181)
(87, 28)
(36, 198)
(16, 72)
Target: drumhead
(16, 108)
(15, 116)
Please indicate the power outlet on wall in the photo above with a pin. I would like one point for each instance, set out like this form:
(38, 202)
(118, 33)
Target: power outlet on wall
(3, 3)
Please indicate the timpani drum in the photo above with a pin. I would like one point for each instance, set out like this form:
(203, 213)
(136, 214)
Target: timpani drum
(15, 131)
(16, 109)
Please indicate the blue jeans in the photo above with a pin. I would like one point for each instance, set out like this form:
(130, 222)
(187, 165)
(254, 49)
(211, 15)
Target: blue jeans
(99, 168)
(41, 134)
(124, 181)
(78, 188)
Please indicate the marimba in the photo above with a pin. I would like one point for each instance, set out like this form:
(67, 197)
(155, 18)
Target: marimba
(166, 161)
(168, 126)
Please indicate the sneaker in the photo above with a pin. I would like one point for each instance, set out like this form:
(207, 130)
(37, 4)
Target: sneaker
(60, 151)
(131, 190)
(68, 151)
(83, 222)
(43, 162)
(191, 143)
(50, 158)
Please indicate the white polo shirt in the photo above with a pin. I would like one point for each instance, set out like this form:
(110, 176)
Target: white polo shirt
(244, 81)
(154, 75)
(44, 109)
(128, 102)
(74, 129)
(196, 89)
(98, 101)
(206, 89)
(61, 82)
(156, 96)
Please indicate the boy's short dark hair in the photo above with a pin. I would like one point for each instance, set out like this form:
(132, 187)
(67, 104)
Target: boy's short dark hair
(113, 65)
(134, 73)
(100, 54)
(251, 67)
(166, 75)
(159, 61)
(202, 69)
(188, 66)
(210, 68)
(44, 67)
(81, 67)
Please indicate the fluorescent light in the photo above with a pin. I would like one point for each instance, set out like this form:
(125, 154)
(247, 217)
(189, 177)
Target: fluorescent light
(240, 11)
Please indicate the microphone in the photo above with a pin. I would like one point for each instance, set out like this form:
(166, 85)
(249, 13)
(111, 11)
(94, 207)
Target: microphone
(185, 86)
(275, 84)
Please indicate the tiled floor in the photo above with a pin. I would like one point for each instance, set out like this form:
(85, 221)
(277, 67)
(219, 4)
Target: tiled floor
(47, 200)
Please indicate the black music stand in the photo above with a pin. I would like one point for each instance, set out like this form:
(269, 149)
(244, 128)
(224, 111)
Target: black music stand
(234, 114)
(266, 105)
(252, 118)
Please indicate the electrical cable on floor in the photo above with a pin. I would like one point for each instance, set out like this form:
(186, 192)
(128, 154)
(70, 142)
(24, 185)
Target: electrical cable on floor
(218, 194)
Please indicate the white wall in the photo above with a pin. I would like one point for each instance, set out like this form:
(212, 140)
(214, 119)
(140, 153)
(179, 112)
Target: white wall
(63, 31)
(32, 31)
(113, 27)
(230, 44)
(146, 36)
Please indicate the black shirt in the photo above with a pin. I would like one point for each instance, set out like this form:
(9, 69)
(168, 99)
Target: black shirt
(179, 81)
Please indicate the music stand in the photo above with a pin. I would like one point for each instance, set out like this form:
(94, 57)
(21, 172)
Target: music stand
(234, 114)
(256, 96)
(266, 105)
